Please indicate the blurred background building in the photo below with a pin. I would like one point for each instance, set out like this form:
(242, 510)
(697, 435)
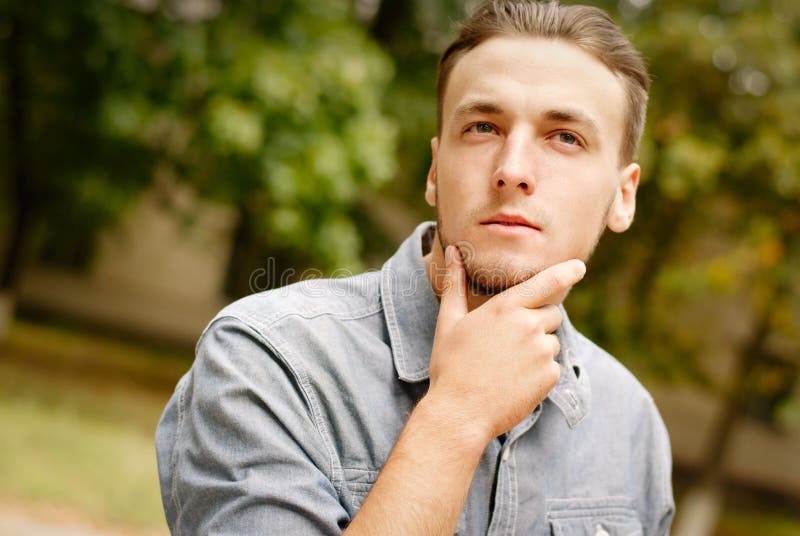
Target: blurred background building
(162, 158)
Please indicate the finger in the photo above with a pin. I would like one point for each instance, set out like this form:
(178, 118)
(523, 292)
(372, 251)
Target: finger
(454, 289)
(548, 318)
(555, 345)
(548, 287)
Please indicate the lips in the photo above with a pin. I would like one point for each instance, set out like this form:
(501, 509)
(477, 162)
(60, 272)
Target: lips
(510, 220)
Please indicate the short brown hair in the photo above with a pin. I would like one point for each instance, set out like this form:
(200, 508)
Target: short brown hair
(589, 28)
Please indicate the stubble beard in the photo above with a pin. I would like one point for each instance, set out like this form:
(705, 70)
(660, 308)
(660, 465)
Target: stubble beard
(490, 279)
(484, 279)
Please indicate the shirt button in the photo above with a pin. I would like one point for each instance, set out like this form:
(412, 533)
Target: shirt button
(505, 455)
(600, 531)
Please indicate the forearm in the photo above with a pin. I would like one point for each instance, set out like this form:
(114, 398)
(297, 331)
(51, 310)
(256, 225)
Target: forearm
(489, 368)
(424, 483)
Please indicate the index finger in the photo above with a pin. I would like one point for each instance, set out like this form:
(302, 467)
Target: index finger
(548, 287)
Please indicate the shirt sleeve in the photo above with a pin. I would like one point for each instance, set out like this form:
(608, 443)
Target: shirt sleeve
(238, 449)
(660, 494)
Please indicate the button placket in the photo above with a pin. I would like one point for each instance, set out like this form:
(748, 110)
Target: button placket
(505, 506)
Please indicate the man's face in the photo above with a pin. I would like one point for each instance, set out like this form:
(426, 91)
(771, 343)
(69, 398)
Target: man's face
(526, 170)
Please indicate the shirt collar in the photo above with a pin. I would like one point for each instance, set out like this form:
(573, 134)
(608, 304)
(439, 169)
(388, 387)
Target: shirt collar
(572, 393)
(411, 307)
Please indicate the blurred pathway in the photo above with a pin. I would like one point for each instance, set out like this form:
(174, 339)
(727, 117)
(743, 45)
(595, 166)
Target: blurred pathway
(18, 525)
(24, 519)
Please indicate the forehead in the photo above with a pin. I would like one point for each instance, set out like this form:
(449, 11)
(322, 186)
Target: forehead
(528, 75)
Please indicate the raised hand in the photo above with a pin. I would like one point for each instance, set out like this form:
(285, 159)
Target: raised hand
(492, 366)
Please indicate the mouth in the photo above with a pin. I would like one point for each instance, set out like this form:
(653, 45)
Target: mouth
(510, 221)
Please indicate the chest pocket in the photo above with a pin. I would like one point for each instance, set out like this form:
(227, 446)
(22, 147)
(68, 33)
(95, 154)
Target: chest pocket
(599, 516)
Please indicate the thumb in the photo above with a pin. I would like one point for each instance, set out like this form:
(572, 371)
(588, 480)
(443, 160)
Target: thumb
(454, 289)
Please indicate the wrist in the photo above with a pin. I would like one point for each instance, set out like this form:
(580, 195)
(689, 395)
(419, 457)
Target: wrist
(455, 427)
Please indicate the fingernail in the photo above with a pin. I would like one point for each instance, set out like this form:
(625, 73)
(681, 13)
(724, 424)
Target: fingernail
(448, 256)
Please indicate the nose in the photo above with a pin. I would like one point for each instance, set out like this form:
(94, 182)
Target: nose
(515, 166)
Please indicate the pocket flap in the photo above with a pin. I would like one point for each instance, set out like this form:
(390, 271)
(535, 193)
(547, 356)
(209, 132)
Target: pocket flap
(597, 516)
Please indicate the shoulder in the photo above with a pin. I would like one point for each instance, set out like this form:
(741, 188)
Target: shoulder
(623, 411)
(620, 402)
(333, 299)
(624, 408)
(609, 378)
(310, 327)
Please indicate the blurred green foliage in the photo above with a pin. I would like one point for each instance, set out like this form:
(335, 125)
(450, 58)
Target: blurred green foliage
(703, 286)
(312, 120)
(299, 114)
(284, 109)
(708, 270)
(274, 108)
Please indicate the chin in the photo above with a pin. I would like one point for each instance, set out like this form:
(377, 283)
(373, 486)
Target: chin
(493, 275)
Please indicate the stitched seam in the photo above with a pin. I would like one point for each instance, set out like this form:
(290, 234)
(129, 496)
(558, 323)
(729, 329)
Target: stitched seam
(361, 470)
(500, 503)
(264, 322)
(666, 494)
(305, 386)
(391, 325)
(174, 461)
(611, 501)
(507, 499)
(615, 506)
(371, 476)
(588, 395)
(513, 510)
(622, 513)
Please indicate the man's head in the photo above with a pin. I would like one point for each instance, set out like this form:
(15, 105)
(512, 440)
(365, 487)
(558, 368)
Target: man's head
(586, 27)
(540, 112)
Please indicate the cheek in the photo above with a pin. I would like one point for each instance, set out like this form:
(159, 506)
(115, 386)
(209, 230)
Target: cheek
(580, 207)
(449, 205)
(453, 185)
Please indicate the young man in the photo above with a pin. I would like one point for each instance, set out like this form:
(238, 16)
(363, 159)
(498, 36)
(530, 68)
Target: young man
(449, 392)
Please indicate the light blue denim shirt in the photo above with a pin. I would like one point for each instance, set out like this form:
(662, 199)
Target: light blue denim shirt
(297, 396)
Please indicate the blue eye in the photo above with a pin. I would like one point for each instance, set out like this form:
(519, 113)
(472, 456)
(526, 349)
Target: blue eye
(483, 128)
(568, 138)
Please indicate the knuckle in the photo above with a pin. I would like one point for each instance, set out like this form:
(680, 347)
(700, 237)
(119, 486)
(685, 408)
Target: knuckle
(556, 324)
(549, 347)
(555, 373)
(542, 323)
(556, 345)
(553, 315)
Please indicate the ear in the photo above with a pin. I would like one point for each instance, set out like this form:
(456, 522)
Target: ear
(430, 185)
(623, 206)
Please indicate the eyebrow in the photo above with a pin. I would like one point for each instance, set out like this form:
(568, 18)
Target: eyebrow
(562, 115)
(479, 107)
(573, 116)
